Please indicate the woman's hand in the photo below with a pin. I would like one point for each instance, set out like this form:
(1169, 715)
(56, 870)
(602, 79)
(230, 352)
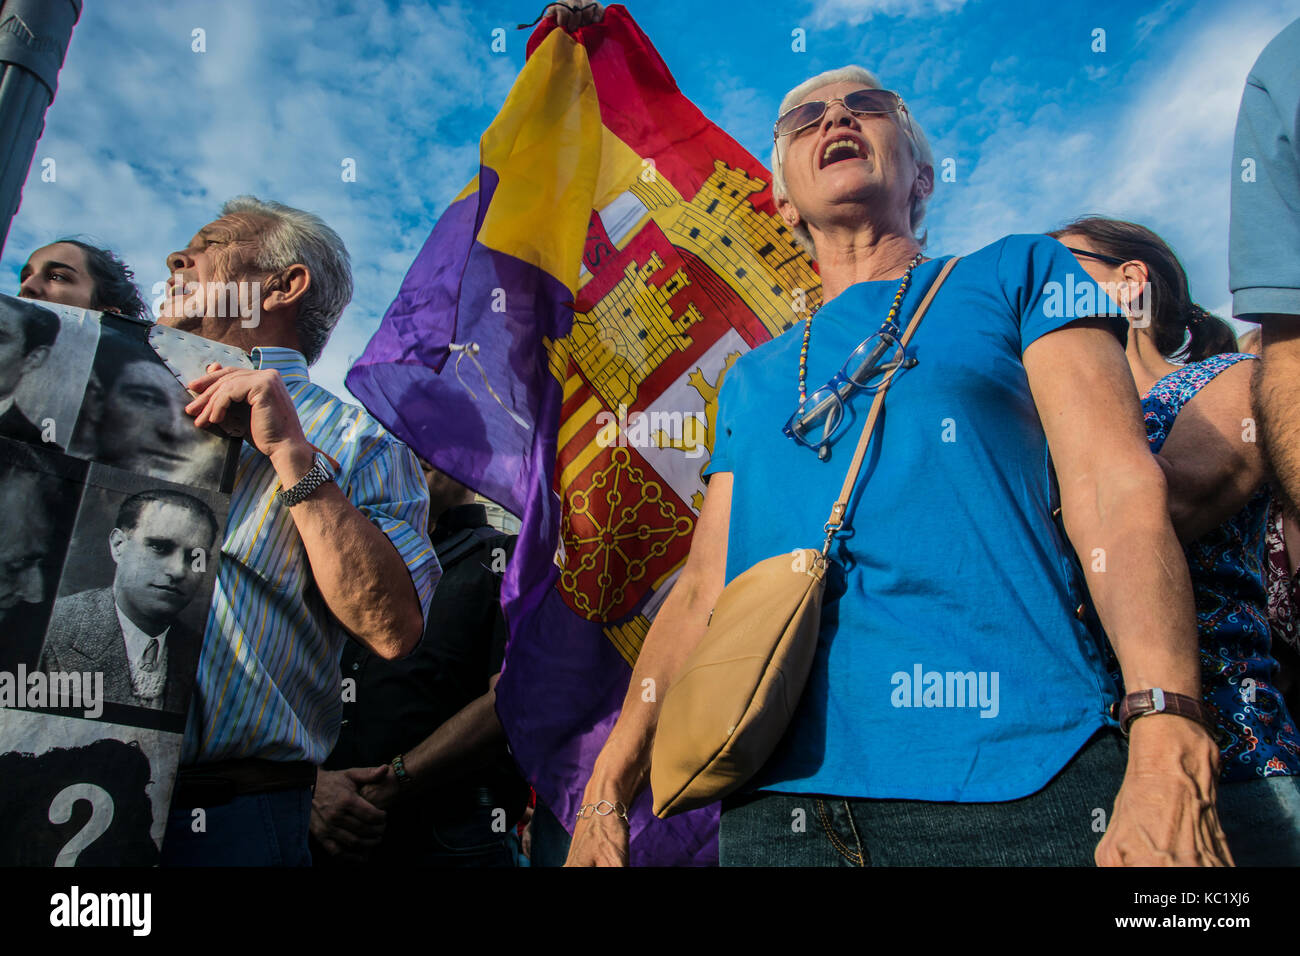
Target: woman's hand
(622, 769)
(599, 841)
(1164, 813)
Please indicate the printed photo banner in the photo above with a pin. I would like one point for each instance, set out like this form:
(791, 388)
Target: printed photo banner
(114, 506)
(559, 344)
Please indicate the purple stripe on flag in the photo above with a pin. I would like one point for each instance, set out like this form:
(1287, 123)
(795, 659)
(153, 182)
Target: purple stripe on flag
(580, 666)
(434, 396)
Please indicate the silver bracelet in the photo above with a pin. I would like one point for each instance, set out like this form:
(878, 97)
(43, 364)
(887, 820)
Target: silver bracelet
(603, 808)
(319, 474)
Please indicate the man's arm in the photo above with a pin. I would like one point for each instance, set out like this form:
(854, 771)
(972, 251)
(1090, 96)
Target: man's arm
(360, 574)
(1115, 511)
(1263, 239)
(1276, 389)
(466, 740)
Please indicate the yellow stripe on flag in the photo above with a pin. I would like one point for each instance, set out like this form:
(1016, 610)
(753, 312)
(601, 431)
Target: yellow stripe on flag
(545, 147)
(577, 421)
(579, 464)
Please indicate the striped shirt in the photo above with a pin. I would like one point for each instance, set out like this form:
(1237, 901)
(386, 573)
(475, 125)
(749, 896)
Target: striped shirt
(269, 683)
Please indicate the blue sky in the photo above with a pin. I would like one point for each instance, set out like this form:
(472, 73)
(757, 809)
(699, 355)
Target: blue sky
(149, 137)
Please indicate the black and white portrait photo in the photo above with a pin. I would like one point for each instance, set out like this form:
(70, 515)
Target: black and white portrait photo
(45, 357)
(39, 493)
(133, 415)
(135, 591)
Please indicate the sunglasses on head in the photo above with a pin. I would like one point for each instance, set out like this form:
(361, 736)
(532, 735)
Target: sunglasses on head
(859, 102)
(1109, 260)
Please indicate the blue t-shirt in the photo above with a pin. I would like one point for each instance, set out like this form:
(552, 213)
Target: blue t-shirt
(951, 665)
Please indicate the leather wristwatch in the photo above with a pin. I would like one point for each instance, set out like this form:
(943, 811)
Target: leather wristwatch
(1153, 700)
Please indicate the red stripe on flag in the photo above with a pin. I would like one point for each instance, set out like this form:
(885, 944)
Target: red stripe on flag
(641, 104)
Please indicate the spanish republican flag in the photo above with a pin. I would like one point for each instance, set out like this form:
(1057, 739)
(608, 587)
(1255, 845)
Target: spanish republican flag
(558, 346)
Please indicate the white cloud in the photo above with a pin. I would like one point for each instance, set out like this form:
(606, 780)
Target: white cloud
(1149, 22)
(1161, 158)
(747, 115)
(831, 13)
(150, 137)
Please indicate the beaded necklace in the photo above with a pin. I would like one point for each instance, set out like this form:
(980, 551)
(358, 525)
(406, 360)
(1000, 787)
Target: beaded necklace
(890, 325)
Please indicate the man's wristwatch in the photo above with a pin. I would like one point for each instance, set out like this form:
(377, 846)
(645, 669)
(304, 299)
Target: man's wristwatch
(1141, 703)
(321, 472)
(399, 770)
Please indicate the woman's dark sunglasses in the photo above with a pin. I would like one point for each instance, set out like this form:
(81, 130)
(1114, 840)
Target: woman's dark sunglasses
(1109, 260)
(860, 102)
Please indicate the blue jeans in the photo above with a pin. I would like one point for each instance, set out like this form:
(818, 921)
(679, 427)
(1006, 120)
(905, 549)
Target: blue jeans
(550, 839)
(1262, 820)
(468, 841)
(1059, 825)
(262, 829)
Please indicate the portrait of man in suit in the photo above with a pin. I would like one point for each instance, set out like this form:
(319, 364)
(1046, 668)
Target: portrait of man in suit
(27, 333)
(161, 542)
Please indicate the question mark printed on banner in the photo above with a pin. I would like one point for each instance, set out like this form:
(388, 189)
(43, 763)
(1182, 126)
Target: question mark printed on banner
(101, 818)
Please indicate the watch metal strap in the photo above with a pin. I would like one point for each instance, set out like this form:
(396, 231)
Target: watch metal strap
(317, 476)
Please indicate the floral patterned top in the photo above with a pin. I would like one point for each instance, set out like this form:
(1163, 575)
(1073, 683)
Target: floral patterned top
(1227, 565)
(1283, 587)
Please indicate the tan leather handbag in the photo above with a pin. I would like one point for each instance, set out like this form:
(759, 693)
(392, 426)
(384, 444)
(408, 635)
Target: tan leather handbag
(730, 705)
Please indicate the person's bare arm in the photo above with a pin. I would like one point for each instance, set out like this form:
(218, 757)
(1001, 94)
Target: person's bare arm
(364, 581)
(1114, 505)
(465, 741)
(1276, 390)
(1212, 461)
(622, 769)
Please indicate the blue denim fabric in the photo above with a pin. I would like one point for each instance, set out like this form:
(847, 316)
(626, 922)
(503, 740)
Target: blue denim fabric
(1262, 820)
(468, 842)
(263, 829)
(1060, 825)
(550, 841)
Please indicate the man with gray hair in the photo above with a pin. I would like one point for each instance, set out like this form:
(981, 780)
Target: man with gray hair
(325, 539)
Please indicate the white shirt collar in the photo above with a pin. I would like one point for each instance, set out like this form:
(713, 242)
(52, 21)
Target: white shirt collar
(137, 640)
(6, 404)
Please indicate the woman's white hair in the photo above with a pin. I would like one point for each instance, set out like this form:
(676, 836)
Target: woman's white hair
(911, 129)
(296, 237)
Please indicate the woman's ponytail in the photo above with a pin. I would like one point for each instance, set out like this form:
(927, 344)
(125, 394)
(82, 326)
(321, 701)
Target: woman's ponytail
(1208, 334)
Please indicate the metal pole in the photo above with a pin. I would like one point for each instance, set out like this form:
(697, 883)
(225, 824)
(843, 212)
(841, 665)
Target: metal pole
(34, 37)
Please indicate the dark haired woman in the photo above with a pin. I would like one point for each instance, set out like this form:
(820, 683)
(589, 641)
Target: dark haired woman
(72, 272)
(1200, 424)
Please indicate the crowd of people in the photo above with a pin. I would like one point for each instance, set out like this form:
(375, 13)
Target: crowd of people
(1109, 531)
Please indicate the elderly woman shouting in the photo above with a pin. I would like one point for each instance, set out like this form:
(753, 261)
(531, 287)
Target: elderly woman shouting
(950, 561)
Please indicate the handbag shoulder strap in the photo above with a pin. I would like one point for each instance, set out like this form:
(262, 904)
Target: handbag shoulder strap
(836, 520)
